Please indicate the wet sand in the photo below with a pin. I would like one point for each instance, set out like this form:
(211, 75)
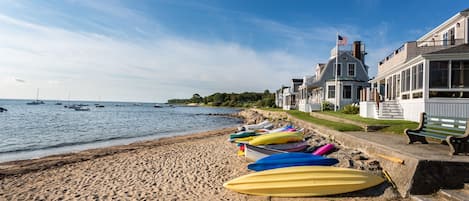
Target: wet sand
(192, 167)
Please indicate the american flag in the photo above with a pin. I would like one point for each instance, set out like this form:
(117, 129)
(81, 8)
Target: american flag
(341, 40)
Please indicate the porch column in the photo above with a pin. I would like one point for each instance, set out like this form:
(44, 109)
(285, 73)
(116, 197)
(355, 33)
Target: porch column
(426, 77)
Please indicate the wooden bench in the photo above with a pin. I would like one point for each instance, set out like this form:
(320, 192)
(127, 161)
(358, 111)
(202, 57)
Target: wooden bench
(452, 131)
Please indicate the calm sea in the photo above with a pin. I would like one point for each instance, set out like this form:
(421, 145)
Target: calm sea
(31, 131)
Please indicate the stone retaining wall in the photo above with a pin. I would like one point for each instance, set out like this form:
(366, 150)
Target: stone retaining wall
(413, 176)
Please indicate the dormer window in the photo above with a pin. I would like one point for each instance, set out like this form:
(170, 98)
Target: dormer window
(351, 69)
(338, 69)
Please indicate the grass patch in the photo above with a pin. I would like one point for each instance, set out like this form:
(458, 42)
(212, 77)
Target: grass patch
(272, 109)
(331, 124)
(395, 126)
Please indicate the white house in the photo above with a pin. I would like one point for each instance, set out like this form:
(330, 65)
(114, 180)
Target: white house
(352, 76)
(279, 97)
(428, 75)
(290, 94)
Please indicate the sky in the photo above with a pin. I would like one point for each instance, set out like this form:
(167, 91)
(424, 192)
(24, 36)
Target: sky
(155, 50)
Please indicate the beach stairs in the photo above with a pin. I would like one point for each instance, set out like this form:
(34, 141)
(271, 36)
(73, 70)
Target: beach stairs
(445, 195)
(389, 110)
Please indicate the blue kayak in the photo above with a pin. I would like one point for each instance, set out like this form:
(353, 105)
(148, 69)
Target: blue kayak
(290, 159)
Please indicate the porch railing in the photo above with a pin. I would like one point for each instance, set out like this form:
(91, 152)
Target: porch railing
(369, 95)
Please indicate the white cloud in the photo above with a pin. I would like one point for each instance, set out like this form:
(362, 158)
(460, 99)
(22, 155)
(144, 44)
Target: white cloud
(90, 65)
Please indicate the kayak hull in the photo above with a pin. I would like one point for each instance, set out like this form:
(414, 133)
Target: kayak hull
(303, 181)
(289, 160)
(253, 153)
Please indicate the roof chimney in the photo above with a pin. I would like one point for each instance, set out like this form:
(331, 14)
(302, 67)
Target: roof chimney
(358, 51)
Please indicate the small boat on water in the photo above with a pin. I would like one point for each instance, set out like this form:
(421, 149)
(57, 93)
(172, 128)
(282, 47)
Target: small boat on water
(58, 103)
(82, 109)
(302, 181)
(253, 153)
(73, 106)
(98, 105)
(157, 106)
(3, 109)
(37, 101)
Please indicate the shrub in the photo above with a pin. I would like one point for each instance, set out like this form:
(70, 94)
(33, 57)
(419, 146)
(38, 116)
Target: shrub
(327, 106)
(351, 109)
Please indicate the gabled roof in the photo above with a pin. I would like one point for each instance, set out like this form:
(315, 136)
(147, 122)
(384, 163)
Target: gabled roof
(464, 48)
(297, 80)
(465, 10)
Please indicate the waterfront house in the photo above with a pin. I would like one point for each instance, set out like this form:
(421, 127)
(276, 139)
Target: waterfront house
(290, 94)
(352, 76)
(279, 97)
(428, 75)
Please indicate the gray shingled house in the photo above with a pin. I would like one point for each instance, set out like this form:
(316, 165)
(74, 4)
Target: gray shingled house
(352, 76)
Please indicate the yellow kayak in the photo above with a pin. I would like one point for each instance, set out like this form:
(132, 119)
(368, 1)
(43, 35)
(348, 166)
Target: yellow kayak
(276, 138)
(245, 139)
(302, 181)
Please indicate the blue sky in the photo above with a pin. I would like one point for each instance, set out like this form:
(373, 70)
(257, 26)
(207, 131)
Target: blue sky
(160, 49)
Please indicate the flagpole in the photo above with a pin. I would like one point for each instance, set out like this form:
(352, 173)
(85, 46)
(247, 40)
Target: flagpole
(336, 66)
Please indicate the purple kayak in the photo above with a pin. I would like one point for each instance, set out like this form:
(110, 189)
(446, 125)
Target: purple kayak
(324, 150)
(290, 147)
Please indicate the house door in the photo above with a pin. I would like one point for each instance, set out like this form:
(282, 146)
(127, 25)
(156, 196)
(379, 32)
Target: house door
(394, 88)
(388, 88)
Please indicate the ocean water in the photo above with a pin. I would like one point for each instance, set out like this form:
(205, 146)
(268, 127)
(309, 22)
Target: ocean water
(31, 131)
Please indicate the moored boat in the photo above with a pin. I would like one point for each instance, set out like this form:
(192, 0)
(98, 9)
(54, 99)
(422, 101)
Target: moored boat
(37, 101)
(82, 109)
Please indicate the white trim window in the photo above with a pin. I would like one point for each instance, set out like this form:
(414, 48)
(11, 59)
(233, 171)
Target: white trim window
(338, 70)
(347, 94)
(331, 91)
(351, 68)
(449, 79)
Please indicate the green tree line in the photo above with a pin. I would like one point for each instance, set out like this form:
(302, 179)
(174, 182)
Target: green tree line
(246, 99)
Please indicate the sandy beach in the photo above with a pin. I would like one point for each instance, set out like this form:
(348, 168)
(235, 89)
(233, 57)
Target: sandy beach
(191, 167)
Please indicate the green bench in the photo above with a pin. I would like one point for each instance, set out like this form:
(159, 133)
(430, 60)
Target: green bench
(452, 131)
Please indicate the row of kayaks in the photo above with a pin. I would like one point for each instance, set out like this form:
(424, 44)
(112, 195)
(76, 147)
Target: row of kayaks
(284, 170)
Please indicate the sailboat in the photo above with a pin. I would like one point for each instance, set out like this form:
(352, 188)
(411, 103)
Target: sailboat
(37, 101)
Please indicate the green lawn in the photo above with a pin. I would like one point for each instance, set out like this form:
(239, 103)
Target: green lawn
(272, 109)
(395, 126)
(331, 124)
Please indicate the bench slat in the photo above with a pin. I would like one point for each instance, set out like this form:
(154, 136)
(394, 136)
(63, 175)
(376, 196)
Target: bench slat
(438, 132)
(452, 118)
(426, 134)
(458, 123)
(444, 128)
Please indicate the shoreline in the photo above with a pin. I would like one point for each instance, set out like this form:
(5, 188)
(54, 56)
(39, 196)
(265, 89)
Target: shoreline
(75, 148)
(14, 167)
